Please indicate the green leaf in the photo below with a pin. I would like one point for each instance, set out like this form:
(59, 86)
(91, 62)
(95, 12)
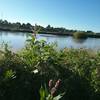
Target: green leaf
(46, 91)
(59, 96)
(42, 93)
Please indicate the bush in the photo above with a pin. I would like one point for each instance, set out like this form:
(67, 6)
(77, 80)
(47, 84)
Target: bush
(80, 35)
(78, 70)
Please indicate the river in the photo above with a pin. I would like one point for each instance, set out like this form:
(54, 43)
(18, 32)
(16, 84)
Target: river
(17, 41)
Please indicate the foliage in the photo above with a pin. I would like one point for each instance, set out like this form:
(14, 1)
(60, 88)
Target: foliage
(22, 74)
(79, 35)
(7, 26)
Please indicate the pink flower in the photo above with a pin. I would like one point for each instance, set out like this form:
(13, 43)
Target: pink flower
(53, 90)
(57, 83)
(50, 83)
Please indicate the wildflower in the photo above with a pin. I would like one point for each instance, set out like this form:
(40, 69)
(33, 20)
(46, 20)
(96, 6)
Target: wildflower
(53, 90)
(57, 83)
(50, 83)
(35, 71)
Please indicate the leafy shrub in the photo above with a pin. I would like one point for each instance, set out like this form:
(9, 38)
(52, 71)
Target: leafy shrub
(21, 74)
(80, 35)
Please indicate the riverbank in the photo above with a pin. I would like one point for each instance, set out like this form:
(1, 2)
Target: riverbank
(95, 35)
(15, 30)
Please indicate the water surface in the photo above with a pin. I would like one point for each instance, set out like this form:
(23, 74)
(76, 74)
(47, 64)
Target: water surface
(18, 40)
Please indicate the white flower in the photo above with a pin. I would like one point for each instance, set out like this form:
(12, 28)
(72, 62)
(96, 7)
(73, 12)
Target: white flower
(35, 71)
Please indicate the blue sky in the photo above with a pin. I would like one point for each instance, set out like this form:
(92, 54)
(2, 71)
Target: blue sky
(71, 14)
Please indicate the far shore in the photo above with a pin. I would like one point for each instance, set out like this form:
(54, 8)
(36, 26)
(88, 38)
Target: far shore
(19, 30)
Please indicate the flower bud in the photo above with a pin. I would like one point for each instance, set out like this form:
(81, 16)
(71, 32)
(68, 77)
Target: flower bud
(50, 83)
(53, 90)
(57, 83)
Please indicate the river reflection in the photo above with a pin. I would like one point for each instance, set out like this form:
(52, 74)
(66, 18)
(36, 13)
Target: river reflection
(80, 41)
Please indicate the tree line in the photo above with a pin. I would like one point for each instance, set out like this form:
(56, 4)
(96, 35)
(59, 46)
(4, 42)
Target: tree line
(22, 27)
(5, 25)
